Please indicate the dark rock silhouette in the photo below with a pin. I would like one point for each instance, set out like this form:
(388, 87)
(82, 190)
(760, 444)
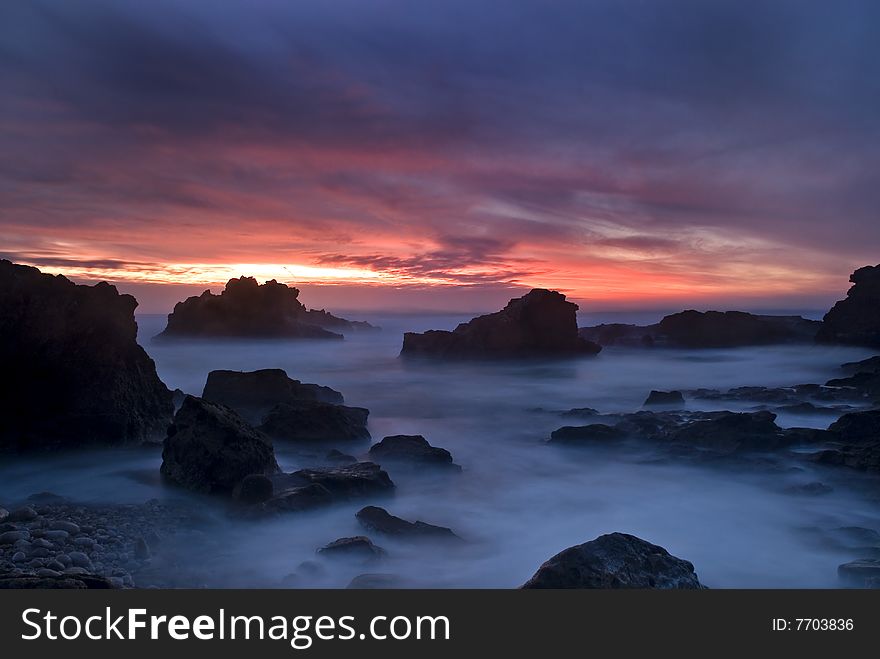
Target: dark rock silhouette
(855, 442)
(287, 409)
(75, 373)
(253, 393)
(380, 520)
(615, 560)
(247, 309)
(540, 323)
(310, 488)
(254, 488)
(855, 320)
(710, 329)
(209, 448)
(359, 547)
(412, 449)
(861, 573)
(664, 398)
(869, 365)
(309, 421)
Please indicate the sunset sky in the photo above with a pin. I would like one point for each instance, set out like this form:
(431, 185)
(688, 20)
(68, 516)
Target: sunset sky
(445, 154)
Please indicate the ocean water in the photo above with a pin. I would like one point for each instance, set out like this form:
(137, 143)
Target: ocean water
(517, 500)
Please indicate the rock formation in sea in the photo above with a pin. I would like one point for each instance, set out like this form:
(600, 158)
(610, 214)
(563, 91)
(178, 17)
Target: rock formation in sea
(855, 320)
(75, 371)
(615, 560)
(247, 309)
(381, 521)
(287, 409)
(211, 449)
(539, 324)
(710, 329)
(412, 450)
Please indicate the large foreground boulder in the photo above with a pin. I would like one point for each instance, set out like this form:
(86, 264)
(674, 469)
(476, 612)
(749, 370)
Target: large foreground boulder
(710, 329)
(247, 309)
(541, 323)
(615, 560)
(75, 374)
(855, 320)
(209, 448)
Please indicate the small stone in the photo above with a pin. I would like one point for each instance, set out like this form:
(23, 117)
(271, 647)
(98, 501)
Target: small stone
(22, 545)
(41, 542)
(62, 525)
(18, 557)
(11, 537)
(84, 541)
(76, 571)
(23, 514)
(79, 559)
(4, 514)
(37, 562)
(46, 572)
(55, 565)
(57, 535)
(40, 552)
(117, 582)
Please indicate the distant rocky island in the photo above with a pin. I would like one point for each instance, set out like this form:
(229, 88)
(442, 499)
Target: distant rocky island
(539, 324)
(248, 309)
(710, 329)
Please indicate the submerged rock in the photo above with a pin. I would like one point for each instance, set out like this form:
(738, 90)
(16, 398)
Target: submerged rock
(380, 520)
(309, 421)
(253, 393)
(412, 449)
(861, 573)
(209, 448)
(76, 373)
(664, 398)
(855, 320)
(541, 323)
(360, 547)
(615, 560)
(247, 309)
(710, 329)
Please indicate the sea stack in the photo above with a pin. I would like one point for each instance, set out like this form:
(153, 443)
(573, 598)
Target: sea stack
(539, 324)
(855, 320)
(76, 373)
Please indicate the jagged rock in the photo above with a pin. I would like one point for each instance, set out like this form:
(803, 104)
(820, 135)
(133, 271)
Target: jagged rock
(710, 329)
(209, 448)
(246, 309)
(540, 323)
(590, 434)
(861, 385)
(855, 438)
(731, 432)
(615, 560)
(380, 520)
(869, 365)
(359, 546)
(310, 488)
(76, 373)
(308, 421)
(412, 449)
(855, 320)
(664, 398)
(253, 393)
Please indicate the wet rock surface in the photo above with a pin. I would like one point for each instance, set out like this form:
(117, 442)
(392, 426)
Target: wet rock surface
(412, 450)
(615, 560)
(380, 520)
